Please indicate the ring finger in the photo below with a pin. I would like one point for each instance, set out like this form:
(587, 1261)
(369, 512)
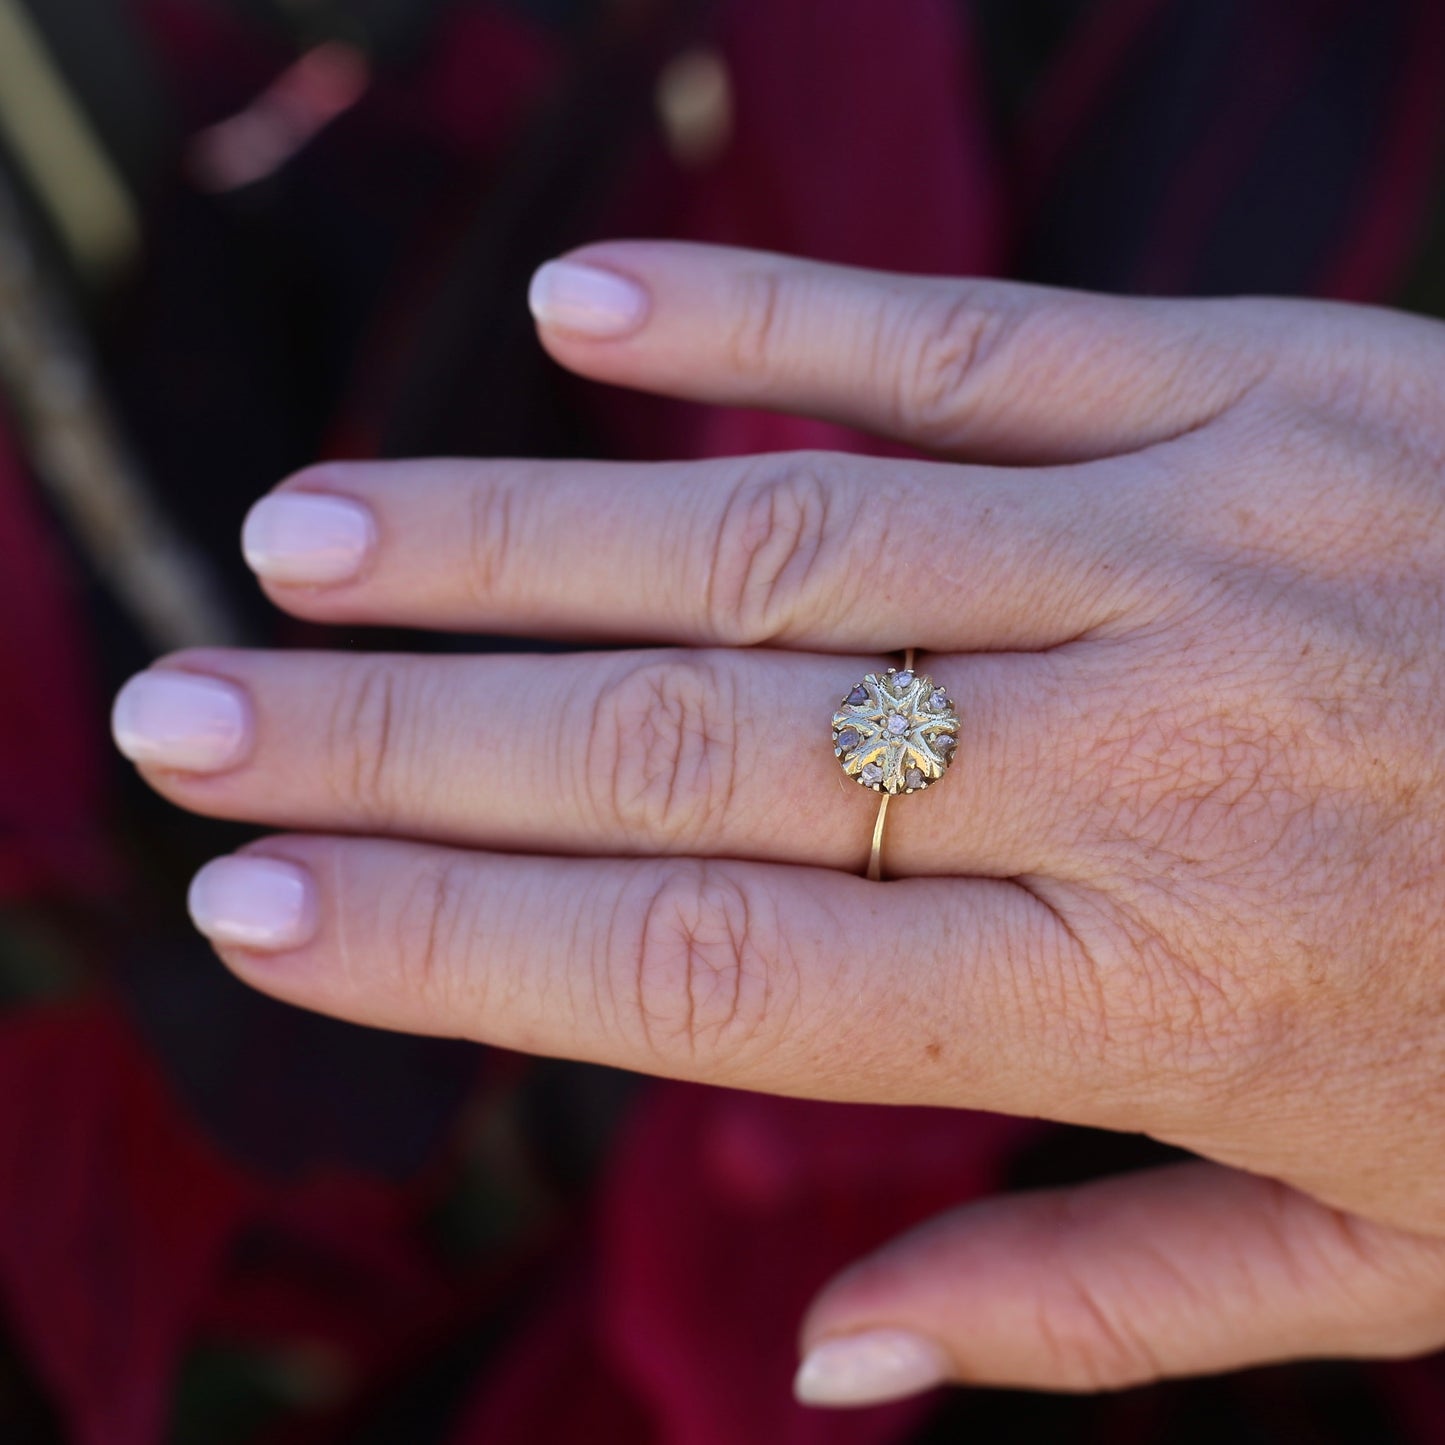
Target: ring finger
(700, 752)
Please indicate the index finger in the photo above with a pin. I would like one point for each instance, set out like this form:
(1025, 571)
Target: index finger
(965, 366)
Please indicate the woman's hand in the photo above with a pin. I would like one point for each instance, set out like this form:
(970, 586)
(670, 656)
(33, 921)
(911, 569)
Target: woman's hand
(1187, 876)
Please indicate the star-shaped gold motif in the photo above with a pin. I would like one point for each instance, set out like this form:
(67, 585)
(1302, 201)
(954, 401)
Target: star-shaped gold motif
(895, 732)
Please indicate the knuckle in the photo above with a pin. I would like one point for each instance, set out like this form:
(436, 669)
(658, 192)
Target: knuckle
(1168, 1027)
(1361, 367)
(775, 530)
(490, 521)
(705, 977)
(752, 339)
(660, 760)
(362, 739)
(943, 350)
(432, 935)
(1088, 1345)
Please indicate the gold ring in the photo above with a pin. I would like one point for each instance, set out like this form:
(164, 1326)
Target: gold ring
(896, 732)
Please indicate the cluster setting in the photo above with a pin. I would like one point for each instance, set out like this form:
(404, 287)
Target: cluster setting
(895, 732)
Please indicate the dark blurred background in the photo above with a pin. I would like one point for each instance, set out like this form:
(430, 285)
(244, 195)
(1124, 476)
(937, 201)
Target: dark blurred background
(239, 235)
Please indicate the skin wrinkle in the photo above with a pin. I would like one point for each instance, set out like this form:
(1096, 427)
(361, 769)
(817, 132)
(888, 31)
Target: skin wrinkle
(806, 547)
(942, 351)
(1110, 1352)
(1179, 387)
(426, 925)
(1178, 1043)
(774, 531)
(1092, 1345)
(1055, 978)
(672, 774)
(711, 969)
(668, 775)
(751, 343)
(692, 961)
(714, 568)
(489, 513)
(646, 930)
(604, 965)
(876, 335)
(1183, 1285)
(597, 782)
(360, 738)
(1185, 777)
(1217, 1041)
(733, 906)
(737, 938)
(1279, 1218)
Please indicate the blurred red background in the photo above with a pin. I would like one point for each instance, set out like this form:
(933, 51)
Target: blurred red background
(237, 235)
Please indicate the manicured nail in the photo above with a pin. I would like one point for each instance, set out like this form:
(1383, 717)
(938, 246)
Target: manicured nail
(180, 720)
(307, 537)
(869, 1368)
(586, 300)
(253, 902)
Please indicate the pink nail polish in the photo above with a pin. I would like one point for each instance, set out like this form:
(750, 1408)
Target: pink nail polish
(250, 902)
(307, 537)
(586, 300)
(870, 1367)
(181, 720)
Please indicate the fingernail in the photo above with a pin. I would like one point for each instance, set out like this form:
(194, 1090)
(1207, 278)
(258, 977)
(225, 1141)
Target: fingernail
(307, 537)
(586, 300)
(253, 903)
(868, 1368)
(179, 720)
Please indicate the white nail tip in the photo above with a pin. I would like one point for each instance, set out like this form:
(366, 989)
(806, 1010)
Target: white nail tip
(260, 903)
(175, 719)
(586, 300)
(870, 1367)
(307, 537)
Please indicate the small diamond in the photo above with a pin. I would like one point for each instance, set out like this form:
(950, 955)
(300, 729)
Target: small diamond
(903, 679)
(871, 774)
(939, 701)
(857, 696)
(897, 724)
(848, 739)
(913, 778)
(944, 744)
